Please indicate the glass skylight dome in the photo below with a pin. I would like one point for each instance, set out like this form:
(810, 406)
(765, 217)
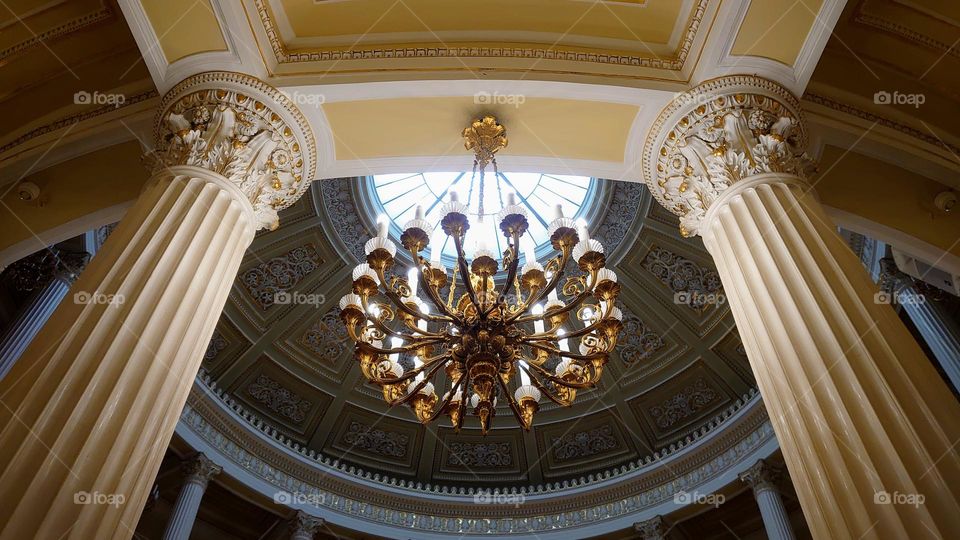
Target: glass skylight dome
(399, 195)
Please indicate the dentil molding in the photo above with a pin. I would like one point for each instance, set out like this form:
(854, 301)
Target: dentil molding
(243, 129)
(717, 134)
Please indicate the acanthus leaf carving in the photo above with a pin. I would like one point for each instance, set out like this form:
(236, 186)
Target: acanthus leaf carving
(241, 137)
(719, 134)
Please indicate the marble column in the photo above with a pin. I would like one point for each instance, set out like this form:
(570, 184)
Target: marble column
(856, 406)
(655, 528)
(49, 274)
(939, 331)
(198, 471)
(305, 526)
(88, 410)
(763, 478)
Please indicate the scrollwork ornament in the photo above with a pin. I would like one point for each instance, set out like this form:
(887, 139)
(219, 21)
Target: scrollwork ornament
(243, 129)
(718, 134)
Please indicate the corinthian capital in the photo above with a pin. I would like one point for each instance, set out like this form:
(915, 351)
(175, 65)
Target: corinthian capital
(200, 469)
(762, 475)
(243, 129)
(717, 134)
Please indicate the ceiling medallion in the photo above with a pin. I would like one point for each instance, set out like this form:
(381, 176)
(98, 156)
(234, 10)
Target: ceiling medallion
(483, 331)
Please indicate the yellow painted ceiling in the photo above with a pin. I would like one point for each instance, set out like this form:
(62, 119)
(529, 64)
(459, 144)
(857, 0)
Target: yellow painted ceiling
(776, 29)
(51, 50)
(556, 22)
(184, 27)
(404, 127)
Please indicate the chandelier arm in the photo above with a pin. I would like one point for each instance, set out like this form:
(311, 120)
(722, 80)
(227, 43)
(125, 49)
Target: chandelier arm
(557, 380)
(411, 393)
(397, 301)
(511, 401)
(570, 355)
(417, 330)
(543, 388)
(512, 273)
(463, 397)
(577, 300)
(431, 362)
(379, 324)
(536, 297)
(434, 296)
(446, 401)
(462, 263)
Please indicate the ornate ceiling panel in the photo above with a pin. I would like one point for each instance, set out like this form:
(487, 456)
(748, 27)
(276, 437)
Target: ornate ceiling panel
(292, 366)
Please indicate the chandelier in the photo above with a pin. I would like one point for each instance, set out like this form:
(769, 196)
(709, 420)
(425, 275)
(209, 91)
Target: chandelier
(484, 337)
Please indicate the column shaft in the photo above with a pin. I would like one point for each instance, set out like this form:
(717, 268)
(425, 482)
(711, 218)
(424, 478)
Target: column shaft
(940, 334)
(775, 519)
(184, 511)
(92, 403)
(855, 404)
(29, 321)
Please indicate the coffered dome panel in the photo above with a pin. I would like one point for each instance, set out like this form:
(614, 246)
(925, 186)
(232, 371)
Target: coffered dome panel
(281, 351)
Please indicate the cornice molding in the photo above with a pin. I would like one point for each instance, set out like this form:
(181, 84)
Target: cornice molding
(852, 110)
(331, 486)
(105, 13)
(284, 55)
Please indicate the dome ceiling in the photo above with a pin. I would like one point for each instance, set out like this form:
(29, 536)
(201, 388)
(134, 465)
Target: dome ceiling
(678, 365)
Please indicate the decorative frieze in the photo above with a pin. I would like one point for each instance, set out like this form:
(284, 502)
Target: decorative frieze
(693, 285)
(280, 274)
(242, 129)
(481, 455)
(584, 444)
(279, 399)
(717, 134)
(687, 402)
(328, 337)
(375, 440)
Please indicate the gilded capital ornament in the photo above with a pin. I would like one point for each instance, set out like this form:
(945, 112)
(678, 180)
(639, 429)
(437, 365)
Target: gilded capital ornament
(717, 134)
(762, 475)
(200, 469)
(243, 129)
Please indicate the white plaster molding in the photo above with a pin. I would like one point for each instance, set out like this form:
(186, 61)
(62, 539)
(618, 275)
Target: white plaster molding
(233, 27)
(718, 60)
(70, 229)
(896, 238)
(268, 463)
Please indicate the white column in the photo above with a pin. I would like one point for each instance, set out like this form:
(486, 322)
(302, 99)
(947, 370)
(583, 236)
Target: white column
(198, 471)
(939, 331)
(865, 423)
(940, 335)
(88, 410)
(305, 526)
(763, 478)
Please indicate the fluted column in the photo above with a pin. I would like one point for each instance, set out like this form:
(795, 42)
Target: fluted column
(305, 526)
(50, 274)
(655, 528)
(198, 471)
(856, 407)
(763, 478)
(941, 333)
(88, 410)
